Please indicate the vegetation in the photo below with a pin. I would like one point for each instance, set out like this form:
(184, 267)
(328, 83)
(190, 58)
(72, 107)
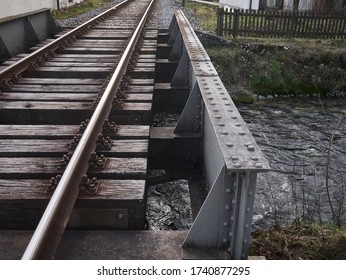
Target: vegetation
(271, 67)
(282, 68)
(77, 9)
(300, 241)
(206, 15)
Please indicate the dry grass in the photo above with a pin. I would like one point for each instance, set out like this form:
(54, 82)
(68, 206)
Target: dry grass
(300, 242)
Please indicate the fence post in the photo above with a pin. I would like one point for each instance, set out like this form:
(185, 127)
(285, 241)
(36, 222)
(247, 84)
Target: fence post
(235, 22)
(219, 30)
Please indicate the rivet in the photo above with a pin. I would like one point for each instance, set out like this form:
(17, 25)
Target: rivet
(227, 207)
(246, 225)
(242, 133)
(225, 224)
(230, 234)
(228, 190)
(250, 193)
(248, 210)
(258, 165)
(237, 164)
(237, 124)
(234, 117)
(251, 148)
(229, 249)
(224, 133)
(225, 240)
(120, 216)
(229, 145)
(235, 157)
(233, 201)
(218, 117)
(254, 158)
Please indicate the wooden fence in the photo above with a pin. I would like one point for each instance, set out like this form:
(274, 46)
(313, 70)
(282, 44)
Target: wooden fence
(283, 24)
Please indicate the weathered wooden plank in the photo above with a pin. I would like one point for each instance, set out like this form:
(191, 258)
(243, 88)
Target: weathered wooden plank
(65, 64)
(75, 88)
(67, 131)
(41, 147)
(45, 105)
(99, 42)
(65, 82)
(139, 97)
(140, 89)
(31, 168)
(22, 203)
(38, 131)
(86, 58)
(51, 96)
(122, 168)
(110, 50)
(30, 189)
(142, 82)
(99, 68)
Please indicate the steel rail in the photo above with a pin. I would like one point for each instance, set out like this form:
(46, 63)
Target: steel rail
(48, 233)
(23, 64)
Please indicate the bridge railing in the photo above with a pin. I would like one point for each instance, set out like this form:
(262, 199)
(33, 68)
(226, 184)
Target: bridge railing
(232, 158)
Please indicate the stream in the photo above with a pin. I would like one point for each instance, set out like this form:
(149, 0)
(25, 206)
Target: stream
(296, 136)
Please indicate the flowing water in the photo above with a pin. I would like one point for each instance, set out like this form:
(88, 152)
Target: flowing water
(298, 138)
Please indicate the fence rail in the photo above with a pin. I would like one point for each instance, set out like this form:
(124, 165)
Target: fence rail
(283, 24)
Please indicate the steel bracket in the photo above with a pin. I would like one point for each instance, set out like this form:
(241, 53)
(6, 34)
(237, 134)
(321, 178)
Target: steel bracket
(181, 77)
(190, 120)
(224, 221)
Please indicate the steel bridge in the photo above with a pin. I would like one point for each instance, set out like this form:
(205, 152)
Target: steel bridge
(209, 133)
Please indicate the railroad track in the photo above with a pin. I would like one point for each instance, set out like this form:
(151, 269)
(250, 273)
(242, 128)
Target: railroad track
(75, 118)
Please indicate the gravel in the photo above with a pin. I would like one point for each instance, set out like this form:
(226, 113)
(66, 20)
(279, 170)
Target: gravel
(162, 15)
